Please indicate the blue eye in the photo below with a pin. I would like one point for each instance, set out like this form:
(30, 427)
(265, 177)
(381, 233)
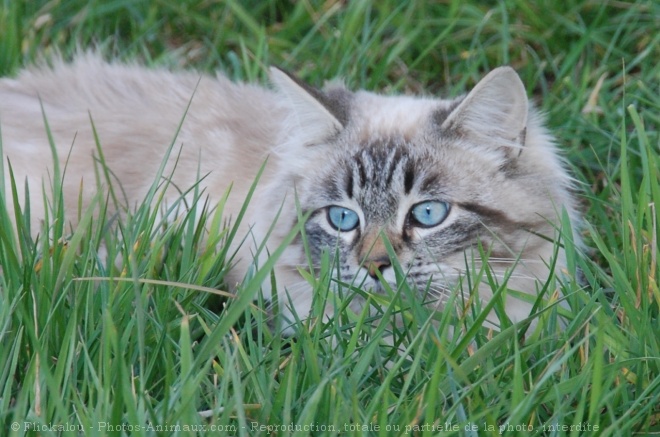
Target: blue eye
(342, 219)
(428, 214)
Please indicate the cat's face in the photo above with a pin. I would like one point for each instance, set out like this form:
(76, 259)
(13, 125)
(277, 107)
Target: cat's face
(442, 181)
(420, 197)
(383, 192)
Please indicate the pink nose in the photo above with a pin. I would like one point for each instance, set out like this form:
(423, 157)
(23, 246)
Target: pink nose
(376, 265)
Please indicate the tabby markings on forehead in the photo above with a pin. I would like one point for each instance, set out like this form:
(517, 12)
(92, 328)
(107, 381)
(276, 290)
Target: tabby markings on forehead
(431, 180)
(394, 161)
(409, 179)
(349, 184)
(379, 162)
(362, 174)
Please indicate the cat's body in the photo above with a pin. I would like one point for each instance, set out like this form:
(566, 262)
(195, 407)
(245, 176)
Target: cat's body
(441, 179)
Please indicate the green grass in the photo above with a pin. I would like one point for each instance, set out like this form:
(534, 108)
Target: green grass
(131, 349)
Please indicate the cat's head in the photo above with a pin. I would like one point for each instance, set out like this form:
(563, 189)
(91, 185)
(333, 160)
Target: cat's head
(441, 180)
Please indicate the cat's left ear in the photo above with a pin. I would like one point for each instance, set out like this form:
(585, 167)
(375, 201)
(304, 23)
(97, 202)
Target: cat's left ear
(494, 113)
(315, 113)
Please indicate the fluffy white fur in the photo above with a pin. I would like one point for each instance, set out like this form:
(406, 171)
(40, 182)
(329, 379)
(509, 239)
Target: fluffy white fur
(230, 129)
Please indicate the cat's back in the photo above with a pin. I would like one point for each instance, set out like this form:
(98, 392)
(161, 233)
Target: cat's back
(92, 83)
(134, 113)
(91, 87)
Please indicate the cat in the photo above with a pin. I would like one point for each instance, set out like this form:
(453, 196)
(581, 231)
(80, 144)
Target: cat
(443, 181)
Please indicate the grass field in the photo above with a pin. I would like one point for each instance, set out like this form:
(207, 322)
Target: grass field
(86, 348)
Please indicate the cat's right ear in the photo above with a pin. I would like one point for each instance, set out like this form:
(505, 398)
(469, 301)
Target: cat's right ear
(494, 113)
(312, 111)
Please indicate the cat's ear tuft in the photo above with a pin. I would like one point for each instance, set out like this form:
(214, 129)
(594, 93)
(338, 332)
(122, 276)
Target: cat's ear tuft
(495, 112)
(311, 110)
